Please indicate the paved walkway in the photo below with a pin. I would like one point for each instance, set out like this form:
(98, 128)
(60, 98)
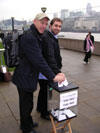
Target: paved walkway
(88, 79)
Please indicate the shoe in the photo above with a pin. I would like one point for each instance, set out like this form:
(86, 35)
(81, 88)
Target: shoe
(88, 62)
(33, 131)
(35, 124)
(84, 62)
(46, 117)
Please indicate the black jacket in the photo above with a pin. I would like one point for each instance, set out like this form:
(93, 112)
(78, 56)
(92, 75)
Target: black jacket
(51, 52)
(32, 62)
(92, 38)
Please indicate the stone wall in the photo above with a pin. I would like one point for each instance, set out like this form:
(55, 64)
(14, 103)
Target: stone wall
(77, 45)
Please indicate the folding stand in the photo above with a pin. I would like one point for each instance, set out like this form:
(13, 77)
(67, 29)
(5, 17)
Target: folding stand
(56, 124)
(62, 105)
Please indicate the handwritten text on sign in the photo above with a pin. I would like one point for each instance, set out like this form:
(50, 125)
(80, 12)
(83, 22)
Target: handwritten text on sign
(68, 99)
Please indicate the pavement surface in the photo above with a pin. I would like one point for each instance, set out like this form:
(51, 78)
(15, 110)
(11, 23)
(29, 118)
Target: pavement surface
(86, 76)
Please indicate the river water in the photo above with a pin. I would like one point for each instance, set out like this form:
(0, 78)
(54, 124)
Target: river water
(80, 36)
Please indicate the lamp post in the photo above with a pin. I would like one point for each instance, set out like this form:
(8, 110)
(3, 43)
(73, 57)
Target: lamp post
(12, 19)
(43, 9)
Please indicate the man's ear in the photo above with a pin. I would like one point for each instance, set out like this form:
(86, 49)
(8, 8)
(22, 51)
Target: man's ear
(34, 20)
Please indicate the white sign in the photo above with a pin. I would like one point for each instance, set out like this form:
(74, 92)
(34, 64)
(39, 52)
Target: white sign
(68, 99)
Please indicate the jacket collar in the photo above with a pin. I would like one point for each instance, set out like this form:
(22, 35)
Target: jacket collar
(51, 34)
(55, 36)
(34, 29)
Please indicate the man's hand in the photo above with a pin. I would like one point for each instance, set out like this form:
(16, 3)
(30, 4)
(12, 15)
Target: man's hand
(61, 74)
(60, 77)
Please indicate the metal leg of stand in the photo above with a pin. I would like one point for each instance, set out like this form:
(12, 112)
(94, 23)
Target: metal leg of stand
(55, 128)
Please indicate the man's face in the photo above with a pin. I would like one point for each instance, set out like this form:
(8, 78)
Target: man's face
(88, 36)
(41, 24)
(56, 27)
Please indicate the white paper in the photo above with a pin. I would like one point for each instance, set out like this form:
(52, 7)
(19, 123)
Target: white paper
(55, 113)
(64, 83)
(61, 116)
(69, 113)
(68, 99)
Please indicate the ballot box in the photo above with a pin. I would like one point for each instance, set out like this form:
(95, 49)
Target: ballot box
(62, 101)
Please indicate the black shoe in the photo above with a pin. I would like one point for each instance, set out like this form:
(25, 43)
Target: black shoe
(33, 131)
(46, 117)
(35, 124)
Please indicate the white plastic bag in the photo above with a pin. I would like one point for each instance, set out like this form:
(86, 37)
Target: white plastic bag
(92, 49)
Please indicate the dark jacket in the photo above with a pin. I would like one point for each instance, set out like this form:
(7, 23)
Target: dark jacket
(51, 52)
(92, 38)
(32, 62)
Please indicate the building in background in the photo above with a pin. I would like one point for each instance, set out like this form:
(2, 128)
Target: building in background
(64, 14)
(89, 8)
(79, 20)
(55, 15)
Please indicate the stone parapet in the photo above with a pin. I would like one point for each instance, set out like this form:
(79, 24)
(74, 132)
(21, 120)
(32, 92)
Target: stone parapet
(77, 45)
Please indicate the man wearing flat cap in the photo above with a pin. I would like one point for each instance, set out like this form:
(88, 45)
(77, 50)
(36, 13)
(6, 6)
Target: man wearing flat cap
(25, 76)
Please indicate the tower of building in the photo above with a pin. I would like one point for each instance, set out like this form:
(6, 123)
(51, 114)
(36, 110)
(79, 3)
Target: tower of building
(64, 13)
(88, 8)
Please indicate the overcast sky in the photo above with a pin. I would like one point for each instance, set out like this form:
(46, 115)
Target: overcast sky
(27, 9)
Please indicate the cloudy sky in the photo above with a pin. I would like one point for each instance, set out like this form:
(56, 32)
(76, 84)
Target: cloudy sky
(27, 9)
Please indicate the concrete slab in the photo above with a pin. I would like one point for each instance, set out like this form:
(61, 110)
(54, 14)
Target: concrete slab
(9, 125)
(4, 110)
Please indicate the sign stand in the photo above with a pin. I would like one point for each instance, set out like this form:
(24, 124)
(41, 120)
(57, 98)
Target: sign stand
(62, 105)
(55, 125)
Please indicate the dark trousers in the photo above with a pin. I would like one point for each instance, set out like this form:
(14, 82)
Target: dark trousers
(87, 56)
(25, 106)
(42, 97)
